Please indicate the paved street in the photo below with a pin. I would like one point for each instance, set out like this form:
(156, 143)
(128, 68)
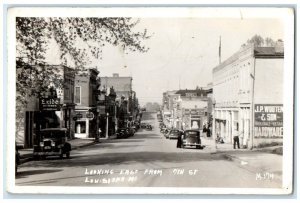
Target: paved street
(147, 159)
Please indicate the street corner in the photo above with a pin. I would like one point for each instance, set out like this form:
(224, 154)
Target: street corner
(255, 161)
(273, 150)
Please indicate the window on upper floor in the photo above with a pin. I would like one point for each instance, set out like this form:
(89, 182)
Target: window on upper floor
(77, 95)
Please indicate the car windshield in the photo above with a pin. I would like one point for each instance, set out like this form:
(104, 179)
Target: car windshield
(53, 134)
(175, 131)
(191, 133)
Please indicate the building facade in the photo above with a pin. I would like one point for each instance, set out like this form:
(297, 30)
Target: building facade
(86, 84)
(186, 109)
(125, 99)
(54, 108)
(194, 108)
(250, 79)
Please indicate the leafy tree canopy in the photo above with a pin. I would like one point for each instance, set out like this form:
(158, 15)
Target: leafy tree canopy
(78, 39)
(259, 41)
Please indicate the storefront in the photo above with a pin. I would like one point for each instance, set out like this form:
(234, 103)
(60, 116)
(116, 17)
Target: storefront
(193, 119)
(85, 124)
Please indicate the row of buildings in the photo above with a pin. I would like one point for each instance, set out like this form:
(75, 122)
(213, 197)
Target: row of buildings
(246, 96)
(88, 105)
(186, 109)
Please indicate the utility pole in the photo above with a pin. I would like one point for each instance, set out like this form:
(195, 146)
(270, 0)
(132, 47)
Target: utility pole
(97, 123)
(97, 94)
(220, 50)
(106, 132)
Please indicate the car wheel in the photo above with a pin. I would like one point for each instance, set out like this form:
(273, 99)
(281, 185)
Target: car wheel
(68, 155)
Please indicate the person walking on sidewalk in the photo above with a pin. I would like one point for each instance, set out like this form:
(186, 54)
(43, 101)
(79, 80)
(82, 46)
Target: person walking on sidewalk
(236, 139)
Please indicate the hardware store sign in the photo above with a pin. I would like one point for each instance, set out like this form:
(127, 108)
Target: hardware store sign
(268, 121)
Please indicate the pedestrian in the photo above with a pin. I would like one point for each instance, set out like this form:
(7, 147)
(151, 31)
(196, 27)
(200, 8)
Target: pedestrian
(179, 141)
(208, 132)
(236, 140)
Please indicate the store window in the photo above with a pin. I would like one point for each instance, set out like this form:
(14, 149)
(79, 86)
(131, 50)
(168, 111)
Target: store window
(80, 127)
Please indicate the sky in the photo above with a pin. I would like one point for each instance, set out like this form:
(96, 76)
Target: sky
(183, 52)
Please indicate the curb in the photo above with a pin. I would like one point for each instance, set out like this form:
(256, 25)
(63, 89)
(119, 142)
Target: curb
(85, 145)
(241, 163)
(272, 150)
(24, 160)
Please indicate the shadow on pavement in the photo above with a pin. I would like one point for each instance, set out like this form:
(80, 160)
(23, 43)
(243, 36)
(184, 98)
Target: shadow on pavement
(103, 146)
(24, 174)
(145, 136)
(129, 139)
(128, 158)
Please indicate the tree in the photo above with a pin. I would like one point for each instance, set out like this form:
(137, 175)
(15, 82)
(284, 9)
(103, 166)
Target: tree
(78, 39)
(152, 106)
(71, 35)
(257, 40)
(269, 42)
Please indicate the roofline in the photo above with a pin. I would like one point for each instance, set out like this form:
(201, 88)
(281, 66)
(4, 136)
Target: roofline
(234, 57)
(269, 56)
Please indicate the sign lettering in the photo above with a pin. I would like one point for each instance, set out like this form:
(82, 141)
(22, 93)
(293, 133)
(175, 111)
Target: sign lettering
(49, 104)
(268, 120)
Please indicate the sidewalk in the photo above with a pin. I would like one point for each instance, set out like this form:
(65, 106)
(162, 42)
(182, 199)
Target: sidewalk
(211, 145)
(263, 162)
(264, 166)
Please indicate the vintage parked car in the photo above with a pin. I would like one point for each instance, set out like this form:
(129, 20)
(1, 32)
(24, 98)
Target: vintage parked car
(166, 132)
(148, 127)
(162, 125)
(137, 125)
(131, 130)
(174, 133)
(191, 138)
(52, 142)
(143, 125)
(123, 133)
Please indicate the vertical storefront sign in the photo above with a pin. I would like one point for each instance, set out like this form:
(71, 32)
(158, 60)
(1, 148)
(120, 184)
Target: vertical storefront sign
(268, 121)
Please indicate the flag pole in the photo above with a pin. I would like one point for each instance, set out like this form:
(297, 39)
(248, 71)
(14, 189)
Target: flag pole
(220, 50)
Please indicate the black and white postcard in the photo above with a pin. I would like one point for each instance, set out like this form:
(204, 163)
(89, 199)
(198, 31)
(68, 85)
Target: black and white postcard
(150, 100)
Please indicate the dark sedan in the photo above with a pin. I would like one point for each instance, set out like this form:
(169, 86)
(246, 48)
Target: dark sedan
(191, 138)
(52, 142)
